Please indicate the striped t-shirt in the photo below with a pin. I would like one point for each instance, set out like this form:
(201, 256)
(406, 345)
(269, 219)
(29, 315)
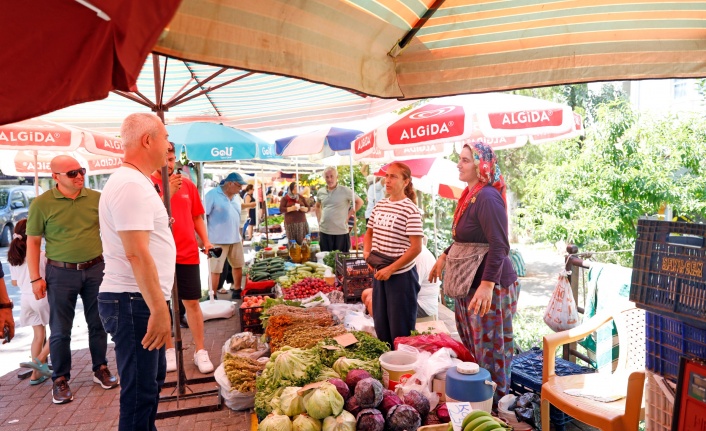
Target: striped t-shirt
(393, 223)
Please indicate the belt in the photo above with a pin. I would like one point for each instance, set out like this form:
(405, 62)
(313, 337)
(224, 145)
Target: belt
(77, 266)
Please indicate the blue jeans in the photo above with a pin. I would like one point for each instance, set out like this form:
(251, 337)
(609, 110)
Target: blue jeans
(395, 305)
(63, 288)
(142, 372)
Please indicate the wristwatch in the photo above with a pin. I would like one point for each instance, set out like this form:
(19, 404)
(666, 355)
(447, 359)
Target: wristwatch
(9, 305)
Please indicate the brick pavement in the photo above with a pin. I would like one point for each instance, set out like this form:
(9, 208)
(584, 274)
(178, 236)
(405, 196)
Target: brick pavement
(25, 407)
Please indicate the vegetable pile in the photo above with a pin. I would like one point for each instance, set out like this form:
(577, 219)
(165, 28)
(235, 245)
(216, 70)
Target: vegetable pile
(267, 269)
(306, 288)
(241, 372)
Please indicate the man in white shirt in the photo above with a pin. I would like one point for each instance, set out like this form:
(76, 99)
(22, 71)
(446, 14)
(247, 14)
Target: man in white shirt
(140, 257)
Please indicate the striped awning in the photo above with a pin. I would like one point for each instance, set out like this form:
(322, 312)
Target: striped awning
(465, 46)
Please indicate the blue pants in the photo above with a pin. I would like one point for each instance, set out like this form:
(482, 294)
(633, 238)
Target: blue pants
(395, 305)
(63, 287)
(142, 372)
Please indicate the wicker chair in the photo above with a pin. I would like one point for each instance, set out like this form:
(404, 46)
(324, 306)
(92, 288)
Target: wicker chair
(623, 414)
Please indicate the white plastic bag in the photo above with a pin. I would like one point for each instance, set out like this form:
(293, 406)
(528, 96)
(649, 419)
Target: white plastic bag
(234, 400)
(245, 344)
(561, 313)
(357, 321)
(427, 366)
(339, 311)
(320, 299)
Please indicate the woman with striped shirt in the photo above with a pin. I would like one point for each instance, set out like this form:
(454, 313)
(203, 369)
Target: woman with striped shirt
(395, 231)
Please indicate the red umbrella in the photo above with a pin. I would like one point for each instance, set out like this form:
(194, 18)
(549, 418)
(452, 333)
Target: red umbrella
(59, 53)
(45, 135)
(500, 120)
(436, 176)
(37, 163)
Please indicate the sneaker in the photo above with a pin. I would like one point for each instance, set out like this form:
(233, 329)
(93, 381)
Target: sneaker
(203, 362)
(171, 359)
(61, 393)
(236, 294)
(103, 377)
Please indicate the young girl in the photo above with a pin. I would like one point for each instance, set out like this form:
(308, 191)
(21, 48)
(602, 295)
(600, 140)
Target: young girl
(35, 312)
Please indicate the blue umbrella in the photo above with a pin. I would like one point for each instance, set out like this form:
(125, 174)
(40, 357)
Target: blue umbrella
(323, 143)
(212, 142)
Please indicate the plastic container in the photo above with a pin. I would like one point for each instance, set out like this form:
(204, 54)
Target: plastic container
(397, 366)
(283, 252)
(667, 340)
(268, 252)
(295, 252)
(469, 382)
(314, 249)
(659, 404)
(305, 250)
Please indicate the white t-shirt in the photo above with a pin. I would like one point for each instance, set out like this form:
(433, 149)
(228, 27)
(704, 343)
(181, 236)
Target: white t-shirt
(21, 274)
(428, 297)
(130, 202)
(393, 223)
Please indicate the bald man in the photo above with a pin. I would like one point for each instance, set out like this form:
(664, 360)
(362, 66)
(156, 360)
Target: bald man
(140, 257)
(67, 217)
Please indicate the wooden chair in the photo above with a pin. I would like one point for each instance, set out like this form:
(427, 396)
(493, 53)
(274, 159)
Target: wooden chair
(629, 376)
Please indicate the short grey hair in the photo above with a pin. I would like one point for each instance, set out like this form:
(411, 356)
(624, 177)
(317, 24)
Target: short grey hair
(135, 126)
(331, 168)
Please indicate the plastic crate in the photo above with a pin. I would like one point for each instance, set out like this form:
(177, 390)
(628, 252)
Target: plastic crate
(250, 319)
(353, 274)
(667, 340)
(526, 376)
(659, 405)
(353, 287)
(669, 270)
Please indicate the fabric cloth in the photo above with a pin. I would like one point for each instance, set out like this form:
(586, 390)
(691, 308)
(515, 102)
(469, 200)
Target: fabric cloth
(232, 252)
(490, 338)
(188, 278)
(487, 167)
(63, 288)
(490, 209)
(223, 216)
(129, 202)
(69, 226)
(376, 193)
(335, 205)
(142, 372)
(34, 312)
(393, 223)
(428, 298)
(335, 242)
(292, 216)
(395, 305)
(518, 262)
(186, 205)
(21, 274)
(297, 231)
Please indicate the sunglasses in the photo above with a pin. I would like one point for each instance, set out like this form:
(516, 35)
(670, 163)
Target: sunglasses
(74, 173)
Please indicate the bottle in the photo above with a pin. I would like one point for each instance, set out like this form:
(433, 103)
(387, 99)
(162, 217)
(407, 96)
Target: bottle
(305, 250)
(295, 252)
(314, 248)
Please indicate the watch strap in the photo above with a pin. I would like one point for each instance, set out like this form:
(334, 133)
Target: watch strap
(9, 305)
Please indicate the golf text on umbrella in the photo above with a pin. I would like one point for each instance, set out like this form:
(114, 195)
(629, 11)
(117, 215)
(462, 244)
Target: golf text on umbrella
(227, 152)
(423, 125)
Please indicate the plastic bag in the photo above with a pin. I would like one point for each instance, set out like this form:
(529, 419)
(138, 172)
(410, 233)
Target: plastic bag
(359, 321)
(432, 343)
(339, 311)
(233, 399)
(245, 344)
(320, 299)
(425, 368)
(561, 313)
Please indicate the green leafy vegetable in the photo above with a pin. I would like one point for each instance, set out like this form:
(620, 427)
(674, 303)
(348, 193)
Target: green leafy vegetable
(323, 401)
(343, 365)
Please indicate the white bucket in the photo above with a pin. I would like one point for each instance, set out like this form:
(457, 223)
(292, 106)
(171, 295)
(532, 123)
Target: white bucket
(397, 366)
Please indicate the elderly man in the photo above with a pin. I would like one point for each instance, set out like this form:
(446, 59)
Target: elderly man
(140, 256)
(67, 217)
(223, 209)
(334, 206)
(188, 218)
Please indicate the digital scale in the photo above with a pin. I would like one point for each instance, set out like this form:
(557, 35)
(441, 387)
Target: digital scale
(690, 402)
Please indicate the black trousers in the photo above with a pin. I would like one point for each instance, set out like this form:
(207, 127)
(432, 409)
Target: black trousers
(335, 242)
(395, 305)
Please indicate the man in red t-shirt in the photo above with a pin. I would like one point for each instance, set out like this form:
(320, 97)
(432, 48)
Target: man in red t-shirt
(187, 212)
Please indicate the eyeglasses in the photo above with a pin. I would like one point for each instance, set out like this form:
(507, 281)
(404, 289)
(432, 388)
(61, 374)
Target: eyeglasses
(74, 173)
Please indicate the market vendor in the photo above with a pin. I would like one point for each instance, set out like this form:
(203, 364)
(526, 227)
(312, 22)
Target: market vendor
(335, 204)
(294, 207)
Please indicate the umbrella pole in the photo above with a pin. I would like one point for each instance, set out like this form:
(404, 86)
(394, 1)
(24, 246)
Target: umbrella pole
(355, 221)
(433, 205)
(36, 175)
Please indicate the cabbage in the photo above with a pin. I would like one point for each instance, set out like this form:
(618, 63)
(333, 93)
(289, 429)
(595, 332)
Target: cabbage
(305, 422)
(352, 405)
(442, 412)
(354, 376)
(343, 422)
(275, 423)
(370, 420)
(341, 386)
(327, 373)
(403, 418)
(343, 365)
(290, 402)
(267, 401)
(389, 399)
(369, 393)
(418, 401)
(323, 401)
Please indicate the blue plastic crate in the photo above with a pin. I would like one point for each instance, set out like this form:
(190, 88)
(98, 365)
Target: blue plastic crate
(667, 340)
(526, 376)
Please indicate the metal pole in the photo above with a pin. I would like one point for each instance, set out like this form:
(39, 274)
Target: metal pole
(36, 175)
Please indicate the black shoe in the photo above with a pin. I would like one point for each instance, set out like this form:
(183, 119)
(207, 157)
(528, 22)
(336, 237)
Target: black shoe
(61, 393)
(183, 322)
(236, 294)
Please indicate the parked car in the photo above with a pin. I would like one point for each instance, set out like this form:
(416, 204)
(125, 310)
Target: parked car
(14, 204)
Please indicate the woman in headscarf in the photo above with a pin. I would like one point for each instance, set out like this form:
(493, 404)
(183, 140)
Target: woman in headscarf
(294, 208)
(479, 273)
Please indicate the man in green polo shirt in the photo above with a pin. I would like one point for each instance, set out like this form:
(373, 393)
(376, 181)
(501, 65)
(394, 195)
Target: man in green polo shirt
(67, 217)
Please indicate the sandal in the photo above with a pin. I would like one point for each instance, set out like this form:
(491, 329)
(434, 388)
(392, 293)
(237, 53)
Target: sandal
(38, 365)
(223, 291)
(39, 381)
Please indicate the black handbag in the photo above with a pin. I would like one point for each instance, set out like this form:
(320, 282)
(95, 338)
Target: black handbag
(379, 260)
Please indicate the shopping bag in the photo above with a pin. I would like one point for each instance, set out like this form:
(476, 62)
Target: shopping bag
(561, 313)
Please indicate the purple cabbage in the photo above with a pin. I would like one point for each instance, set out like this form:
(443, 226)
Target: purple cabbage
(389, 399)
(341, 386)
(418, 401)
(354, 376)
(443, 413)
(370, 420)
(403, 418)
(369, 393)
(352, 406)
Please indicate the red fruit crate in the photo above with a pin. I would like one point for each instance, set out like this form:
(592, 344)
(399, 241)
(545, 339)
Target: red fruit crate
(250, 319)
(667, 340)
(669, 270)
